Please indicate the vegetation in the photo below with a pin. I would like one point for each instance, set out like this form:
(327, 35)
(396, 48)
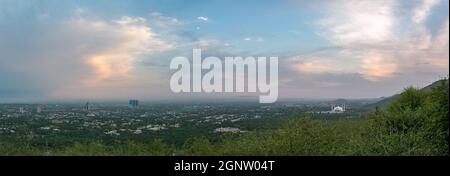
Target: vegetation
(413, 123)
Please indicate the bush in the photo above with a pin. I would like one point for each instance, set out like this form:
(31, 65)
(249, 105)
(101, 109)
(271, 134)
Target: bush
(416, 123)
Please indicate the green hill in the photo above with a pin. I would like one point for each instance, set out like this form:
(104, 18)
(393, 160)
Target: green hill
(384, 102)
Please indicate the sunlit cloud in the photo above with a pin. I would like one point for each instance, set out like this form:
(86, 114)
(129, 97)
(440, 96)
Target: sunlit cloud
(377, 65)
(132, 38)
(369, 33)
(359, 22)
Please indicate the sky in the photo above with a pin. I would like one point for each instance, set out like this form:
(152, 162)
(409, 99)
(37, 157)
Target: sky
(103, 49)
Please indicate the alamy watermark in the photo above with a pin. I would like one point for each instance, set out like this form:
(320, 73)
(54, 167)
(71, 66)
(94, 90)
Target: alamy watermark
(210, 75)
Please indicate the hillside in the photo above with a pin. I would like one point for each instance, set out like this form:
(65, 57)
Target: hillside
(382, 103)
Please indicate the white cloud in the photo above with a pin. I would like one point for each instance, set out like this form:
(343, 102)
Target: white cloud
(203, 18)
(110, 49)
(359, 22)
(126, 20)
(368, 33)
(423, 10)
(132, 38)
(165, 22)
(257, 39)
(359, 27)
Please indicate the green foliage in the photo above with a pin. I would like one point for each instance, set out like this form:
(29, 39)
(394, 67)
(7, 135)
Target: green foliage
(18, 150)
(415, 123)
(156, 148)
(298, 137)
(197, 146)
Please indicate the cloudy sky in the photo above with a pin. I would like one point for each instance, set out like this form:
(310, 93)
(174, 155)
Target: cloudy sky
(102, 49)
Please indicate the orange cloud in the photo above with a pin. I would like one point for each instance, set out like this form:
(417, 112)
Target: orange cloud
(126, 39)
(111, 49)
(377, 66)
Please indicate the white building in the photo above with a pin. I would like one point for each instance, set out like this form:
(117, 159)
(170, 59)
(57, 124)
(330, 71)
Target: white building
(337, 109)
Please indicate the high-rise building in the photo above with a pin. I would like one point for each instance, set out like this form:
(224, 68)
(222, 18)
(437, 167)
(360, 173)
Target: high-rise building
(133, 103)
(38, 109)
(87, 106)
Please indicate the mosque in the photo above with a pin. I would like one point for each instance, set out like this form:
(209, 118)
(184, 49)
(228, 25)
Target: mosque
(337, 109)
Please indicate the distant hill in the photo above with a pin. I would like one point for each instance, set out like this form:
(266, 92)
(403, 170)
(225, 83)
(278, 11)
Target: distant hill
(340, 101)
(433, 85)
(384, 102)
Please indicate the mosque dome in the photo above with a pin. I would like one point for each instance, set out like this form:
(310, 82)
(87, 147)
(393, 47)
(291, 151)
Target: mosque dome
(338, 109)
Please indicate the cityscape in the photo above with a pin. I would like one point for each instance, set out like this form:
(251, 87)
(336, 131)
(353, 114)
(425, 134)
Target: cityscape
(121, 121)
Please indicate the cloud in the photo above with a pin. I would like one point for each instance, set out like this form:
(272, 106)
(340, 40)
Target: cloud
(257, 39)
(423, 10)
(375, 38)
(378, 65)
(442, 38)
(362, 28)
(203, 18)
(314, 67)
(159, 20)
(76, 56)
(359, 22)
(123, 41)
(133, 38)
(438, 53)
